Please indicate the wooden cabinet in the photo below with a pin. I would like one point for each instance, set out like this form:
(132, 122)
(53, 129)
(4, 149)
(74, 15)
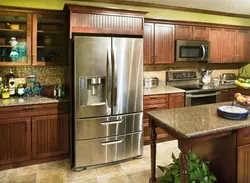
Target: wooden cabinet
(242, 46)
(243, 164)
(50, 136)
(158, 43)
(176, 100)
(188, 32)
(160, 102)
(148, 39)
(228, 45)
(215, 39)
(15, 140)
(228, 94)
(224, 96)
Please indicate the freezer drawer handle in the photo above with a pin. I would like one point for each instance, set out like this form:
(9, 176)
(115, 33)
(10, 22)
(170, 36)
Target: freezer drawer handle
(112, 142)
(111, 122)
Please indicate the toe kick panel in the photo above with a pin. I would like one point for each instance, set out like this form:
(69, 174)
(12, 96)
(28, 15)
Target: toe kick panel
(105, 150)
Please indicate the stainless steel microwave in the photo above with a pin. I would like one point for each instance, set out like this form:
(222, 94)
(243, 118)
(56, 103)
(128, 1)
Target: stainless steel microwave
(187, 50)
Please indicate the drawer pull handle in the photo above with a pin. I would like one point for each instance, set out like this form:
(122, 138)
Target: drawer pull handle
(26, 109)
(112, 142)
(153, 97)
(111, 122)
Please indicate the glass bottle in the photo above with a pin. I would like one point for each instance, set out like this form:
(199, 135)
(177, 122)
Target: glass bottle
(12, 90)
(5, 92)
(20, 89)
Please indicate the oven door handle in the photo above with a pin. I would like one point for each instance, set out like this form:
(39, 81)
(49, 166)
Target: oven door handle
(203, 95)
(204, 52)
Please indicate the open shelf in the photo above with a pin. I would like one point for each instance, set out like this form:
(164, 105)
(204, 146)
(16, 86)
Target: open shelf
(49, 32)
(12, 30)
(5, 46)
(43, 47)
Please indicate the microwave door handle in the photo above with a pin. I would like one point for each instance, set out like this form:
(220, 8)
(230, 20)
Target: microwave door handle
(203, 95)
(204, 52)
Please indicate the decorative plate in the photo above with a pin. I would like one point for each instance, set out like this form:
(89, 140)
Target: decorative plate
(232, 112)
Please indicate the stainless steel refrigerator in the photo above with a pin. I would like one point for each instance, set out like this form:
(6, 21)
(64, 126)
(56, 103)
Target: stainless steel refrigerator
(108, 100)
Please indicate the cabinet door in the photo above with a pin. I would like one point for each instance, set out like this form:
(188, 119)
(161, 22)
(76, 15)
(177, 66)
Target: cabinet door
(229, 46)
(215, 45)
(15, 140)
(15, 38)
(224, 95)
(164, 44)
(176, 100)
(50, 136)
(148, 39)
(242, 50)
(49, 40)
(200, 33)
(183, 32)
(243, 164)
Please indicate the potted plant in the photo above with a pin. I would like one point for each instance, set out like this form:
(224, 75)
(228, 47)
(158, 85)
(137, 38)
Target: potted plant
(198, 171)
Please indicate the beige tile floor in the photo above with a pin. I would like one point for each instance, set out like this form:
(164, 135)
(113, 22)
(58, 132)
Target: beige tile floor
(135, 171)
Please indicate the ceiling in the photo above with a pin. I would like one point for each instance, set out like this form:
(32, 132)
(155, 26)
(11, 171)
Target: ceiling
(228, 6)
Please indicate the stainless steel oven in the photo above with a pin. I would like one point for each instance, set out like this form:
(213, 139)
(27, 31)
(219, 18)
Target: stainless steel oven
(202, 97)
(187, 50)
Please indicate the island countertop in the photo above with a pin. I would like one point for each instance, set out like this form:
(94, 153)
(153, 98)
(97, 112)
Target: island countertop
(15, 101)
(196, 121)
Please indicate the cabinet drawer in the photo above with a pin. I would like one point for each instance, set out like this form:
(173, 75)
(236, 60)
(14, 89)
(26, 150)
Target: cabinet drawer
(105, 150)
(155, 106)
(33, 110)
(155, 99)
(108, 126)
(243, 136)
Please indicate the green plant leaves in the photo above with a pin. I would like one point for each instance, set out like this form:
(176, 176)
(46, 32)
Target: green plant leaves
(198, 171)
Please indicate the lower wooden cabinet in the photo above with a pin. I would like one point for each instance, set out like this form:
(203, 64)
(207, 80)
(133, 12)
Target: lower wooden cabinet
(176, 100)
(15, 140)
(50, 135)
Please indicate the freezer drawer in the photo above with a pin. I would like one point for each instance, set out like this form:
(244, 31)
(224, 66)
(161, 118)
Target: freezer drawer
(108, 126)
(106, 150)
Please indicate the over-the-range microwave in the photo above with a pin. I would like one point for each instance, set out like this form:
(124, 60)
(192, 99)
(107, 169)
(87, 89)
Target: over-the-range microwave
(187, 50)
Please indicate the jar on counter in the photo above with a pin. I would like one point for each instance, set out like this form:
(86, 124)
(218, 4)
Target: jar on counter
(5, 93)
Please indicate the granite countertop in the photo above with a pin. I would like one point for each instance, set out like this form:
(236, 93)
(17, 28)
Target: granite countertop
(196, 121)
(162, 89)
(15, 101)
(226, 86)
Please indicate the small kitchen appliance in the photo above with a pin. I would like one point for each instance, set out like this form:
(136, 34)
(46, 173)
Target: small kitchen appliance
(150, 82)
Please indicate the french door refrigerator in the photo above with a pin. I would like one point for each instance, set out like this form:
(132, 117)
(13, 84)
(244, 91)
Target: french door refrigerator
(108, 100)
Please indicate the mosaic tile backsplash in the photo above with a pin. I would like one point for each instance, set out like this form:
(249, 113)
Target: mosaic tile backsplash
(45, 75)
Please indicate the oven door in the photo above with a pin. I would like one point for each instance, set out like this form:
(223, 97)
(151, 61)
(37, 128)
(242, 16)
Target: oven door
(192, 50)
(201, 98)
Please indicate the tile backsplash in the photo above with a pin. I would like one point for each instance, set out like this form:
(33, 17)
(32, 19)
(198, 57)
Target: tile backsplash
(47, 76)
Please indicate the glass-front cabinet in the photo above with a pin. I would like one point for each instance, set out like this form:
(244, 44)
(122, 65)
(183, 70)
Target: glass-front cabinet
(49, 40)
(15, 38)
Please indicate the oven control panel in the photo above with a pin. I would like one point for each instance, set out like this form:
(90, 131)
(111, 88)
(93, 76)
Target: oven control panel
(181, 75)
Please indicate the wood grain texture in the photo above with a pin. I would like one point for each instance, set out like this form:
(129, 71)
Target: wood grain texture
(200, 33)
(243, 136)
(243, 165)
(15, 140)
(242, 46)
(215, 38)
(183, 32)
(176, 100)
(229, 46)
(148, 38)
(164, 44)
(50, 136)
(224, 95)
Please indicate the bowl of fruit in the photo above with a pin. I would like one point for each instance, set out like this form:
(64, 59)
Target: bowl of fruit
(244, 83)
(242, 99)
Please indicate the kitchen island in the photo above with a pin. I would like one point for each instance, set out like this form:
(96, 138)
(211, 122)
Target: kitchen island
(225, 143)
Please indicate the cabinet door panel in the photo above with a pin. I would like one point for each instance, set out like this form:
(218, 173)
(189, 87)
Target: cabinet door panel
(243, 164)
(183, 32)
(224, 95)
(15, 140)
(200, 33)
(215, 45)
(50, 135)
(148, 39)
(242, 46)
(176, 100)
(164, 43)
(229, 45)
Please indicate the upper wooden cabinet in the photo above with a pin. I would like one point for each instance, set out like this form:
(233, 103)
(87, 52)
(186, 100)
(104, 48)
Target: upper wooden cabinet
(15, 38)
(158, 43)
(87, 19)
(187, 32)
(242, 46)
(215, 39)
(229, 45)
(148, 41)
(49, 41)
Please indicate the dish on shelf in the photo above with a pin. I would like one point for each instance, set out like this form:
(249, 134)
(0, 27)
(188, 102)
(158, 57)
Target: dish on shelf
(232, 112)
(14, 26)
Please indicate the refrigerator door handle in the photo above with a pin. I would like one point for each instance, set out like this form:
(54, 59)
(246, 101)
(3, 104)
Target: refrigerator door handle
(109, 78)
(111, 122)
(112, 142)
(114, 76)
